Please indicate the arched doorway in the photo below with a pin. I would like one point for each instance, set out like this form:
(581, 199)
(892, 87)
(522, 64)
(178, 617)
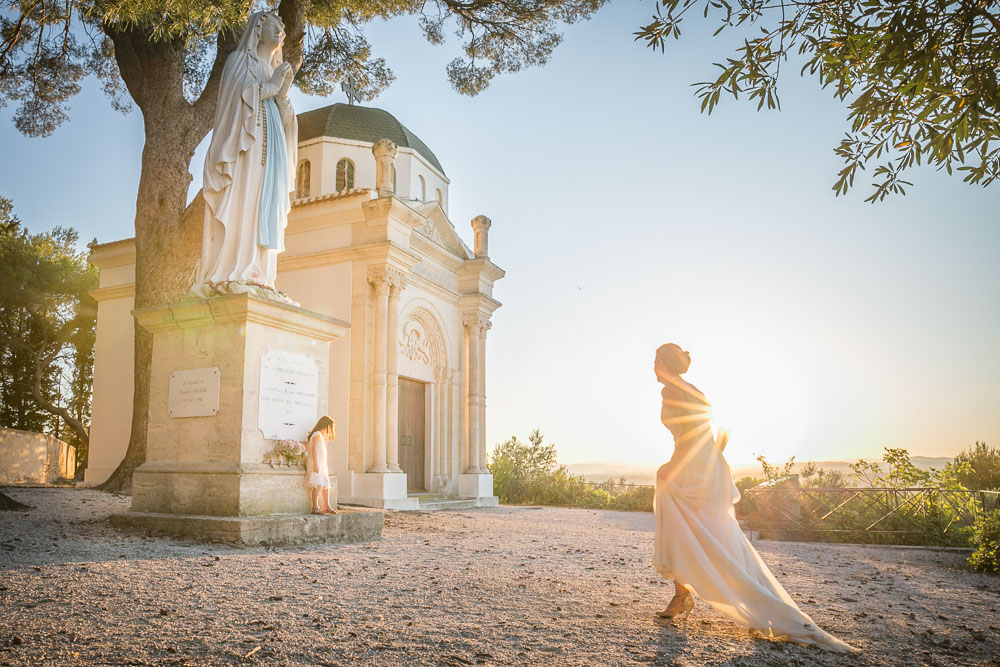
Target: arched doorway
(425, 400)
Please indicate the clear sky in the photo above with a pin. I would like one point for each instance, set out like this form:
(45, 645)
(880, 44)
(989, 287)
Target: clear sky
(820, 327)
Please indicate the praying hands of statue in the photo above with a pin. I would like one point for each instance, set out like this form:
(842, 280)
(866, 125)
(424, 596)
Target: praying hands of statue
(282, 78)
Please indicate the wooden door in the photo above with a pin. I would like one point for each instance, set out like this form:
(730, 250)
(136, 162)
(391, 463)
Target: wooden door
(411, 432)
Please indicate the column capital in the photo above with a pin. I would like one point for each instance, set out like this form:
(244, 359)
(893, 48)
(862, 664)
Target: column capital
(397, 281)
(477, 321)
(378, 276)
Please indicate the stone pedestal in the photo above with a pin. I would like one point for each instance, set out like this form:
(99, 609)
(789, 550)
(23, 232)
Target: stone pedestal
(478, 486)
(214, 416)
(374, 489)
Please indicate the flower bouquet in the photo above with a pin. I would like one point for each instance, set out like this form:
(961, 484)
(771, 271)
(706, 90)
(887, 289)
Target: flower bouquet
(290, 452)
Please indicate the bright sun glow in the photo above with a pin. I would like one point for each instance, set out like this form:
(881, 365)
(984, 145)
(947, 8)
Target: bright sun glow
(761, 400)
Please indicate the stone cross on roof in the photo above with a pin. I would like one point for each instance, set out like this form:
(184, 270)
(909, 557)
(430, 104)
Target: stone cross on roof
(350, 88)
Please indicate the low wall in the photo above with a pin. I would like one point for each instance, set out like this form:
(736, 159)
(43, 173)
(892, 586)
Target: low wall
(34, 457)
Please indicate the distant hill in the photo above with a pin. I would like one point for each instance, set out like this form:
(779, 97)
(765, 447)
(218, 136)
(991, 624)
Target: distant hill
(639, 474)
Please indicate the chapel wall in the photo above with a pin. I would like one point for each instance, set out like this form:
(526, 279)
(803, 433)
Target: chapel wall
(111, 411)
(327, 290)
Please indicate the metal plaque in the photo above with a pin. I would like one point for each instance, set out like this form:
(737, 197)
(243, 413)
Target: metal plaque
(289, 395)
(193, 393)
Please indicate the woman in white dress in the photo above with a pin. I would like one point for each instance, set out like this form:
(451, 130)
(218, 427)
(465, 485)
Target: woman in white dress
(698, 542)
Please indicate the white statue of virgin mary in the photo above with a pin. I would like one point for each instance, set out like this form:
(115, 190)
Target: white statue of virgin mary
(249, 169)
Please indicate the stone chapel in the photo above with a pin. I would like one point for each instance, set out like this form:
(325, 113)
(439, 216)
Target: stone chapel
(368, 242)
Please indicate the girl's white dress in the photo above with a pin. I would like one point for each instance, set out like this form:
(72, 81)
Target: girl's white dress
(316, 475)
(697, 538)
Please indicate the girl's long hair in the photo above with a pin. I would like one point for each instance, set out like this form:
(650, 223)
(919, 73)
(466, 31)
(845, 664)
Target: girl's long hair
(323, 424)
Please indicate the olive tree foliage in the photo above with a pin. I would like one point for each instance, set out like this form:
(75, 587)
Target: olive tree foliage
(919, 76)
(166, 57)
(46, 327)
(49, 47)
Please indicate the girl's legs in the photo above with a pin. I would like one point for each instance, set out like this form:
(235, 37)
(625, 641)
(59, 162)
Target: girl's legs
(315, 496)
(325, 497)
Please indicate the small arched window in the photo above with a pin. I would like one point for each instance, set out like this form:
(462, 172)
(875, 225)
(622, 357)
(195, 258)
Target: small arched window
(345, 175)
(423, 188)
(439, 196)
(302, 180)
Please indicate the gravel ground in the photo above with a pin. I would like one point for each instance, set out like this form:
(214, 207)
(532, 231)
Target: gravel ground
(511, 585)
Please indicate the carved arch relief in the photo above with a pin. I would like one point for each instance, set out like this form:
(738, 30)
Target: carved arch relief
(423, 349)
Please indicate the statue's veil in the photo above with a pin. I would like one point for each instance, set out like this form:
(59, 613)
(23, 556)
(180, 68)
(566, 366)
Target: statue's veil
(251, 38)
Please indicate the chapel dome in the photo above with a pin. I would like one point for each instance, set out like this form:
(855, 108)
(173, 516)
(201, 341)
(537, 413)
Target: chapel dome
(349, 121)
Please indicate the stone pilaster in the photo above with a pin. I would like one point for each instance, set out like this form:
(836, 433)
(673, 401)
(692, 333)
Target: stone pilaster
(380, 286)
(474, 323)
(397, 283)
(482, 395)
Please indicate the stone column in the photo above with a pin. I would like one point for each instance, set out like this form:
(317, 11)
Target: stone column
(385, 151)
(481, 226)
(380, 283)
(482, 396)
(474, 326)
(443, 384)
(396, 285)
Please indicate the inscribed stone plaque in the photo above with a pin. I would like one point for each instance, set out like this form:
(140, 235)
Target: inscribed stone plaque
(193, 393)
(289, 395)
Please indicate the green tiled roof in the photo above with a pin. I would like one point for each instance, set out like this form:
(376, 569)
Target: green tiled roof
(349, 121)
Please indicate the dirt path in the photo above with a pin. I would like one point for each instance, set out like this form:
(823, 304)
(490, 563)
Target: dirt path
(507, 586)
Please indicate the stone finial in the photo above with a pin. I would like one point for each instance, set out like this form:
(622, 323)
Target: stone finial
(481, 225)
(385, 152)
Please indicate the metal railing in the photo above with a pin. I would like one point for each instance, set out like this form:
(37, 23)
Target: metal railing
(918, 515)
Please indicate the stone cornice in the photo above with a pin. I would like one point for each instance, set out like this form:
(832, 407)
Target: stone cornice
(482, 266)
(113, 292)
(343, 194)
(378, 211)
(238, 308)
(369, 252)
(110, 255)
(433, 250)
(479, 303)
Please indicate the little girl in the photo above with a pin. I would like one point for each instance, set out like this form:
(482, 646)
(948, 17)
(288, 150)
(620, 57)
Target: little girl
(317, 478)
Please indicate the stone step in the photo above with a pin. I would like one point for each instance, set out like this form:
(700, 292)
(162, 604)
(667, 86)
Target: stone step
(426, 496)
(453, 504)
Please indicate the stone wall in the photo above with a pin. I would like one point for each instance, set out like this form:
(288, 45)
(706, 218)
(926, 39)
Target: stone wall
(34, 457)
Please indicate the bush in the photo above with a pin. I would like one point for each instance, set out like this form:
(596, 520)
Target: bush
(983, 471)
(527, 473)
(635, 499)
(986, 539)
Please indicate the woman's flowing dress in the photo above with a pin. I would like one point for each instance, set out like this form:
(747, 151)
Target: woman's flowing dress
(698, 541)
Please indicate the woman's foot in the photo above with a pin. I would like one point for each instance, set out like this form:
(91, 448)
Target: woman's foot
(329, 510)
(679, 604)
(317, 510)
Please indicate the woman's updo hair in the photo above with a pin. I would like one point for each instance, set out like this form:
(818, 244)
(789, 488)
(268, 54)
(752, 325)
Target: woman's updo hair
(323, 424)
(669, 360)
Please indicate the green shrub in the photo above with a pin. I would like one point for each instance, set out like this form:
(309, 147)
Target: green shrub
(635, 499)
(986, 539)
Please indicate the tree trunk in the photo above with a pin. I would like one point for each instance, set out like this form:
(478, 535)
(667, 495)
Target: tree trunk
(167, 242)
(167, 248)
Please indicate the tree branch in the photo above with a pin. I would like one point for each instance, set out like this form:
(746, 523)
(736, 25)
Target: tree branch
(41, 362)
